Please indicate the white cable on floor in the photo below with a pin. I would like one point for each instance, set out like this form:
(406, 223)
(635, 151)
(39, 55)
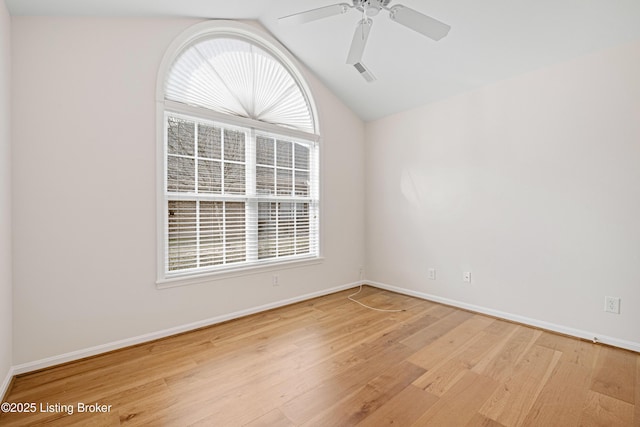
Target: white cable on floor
(371, 308)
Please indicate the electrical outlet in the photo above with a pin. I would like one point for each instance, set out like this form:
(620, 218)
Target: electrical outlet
(612, 305)
(432, 274)
(275, 280)
(466, 277)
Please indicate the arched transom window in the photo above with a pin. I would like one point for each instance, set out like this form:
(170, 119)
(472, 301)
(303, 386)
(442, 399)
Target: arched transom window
(240, 155)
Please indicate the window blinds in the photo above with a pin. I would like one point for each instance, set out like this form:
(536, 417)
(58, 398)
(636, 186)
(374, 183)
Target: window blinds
(237, 196)
(235, 77)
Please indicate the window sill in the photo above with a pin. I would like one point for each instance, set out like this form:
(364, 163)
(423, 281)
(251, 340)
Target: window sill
(195, 279)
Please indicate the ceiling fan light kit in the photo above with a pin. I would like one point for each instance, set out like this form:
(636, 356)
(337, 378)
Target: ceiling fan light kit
(371, 10)
(410, 18)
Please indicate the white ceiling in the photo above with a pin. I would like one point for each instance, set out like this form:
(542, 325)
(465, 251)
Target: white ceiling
(489, 40)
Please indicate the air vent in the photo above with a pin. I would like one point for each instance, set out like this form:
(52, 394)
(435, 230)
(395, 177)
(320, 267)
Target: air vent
(364, 72)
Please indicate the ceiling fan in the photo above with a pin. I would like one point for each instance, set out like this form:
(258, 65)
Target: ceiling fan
(403, 15)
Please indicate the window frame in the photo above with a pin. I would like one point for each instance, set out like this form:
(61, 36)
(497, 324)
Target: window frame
(195, 34)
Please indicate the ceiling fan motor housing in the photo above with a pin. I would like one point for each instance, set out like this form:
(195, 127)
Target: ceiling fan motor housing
(370, 7)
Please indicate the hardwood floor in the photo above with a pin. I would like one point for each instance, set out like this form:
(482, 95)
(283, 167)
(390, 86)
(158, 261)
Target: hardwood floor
(331, 362)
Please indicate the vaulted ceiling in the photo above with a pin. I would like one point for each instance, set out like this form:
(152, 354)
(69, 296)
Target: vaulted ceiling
(489, 40)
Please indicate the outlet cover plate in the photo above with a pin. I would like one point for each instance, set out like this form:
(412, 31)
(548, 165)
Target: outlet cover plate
(612, 305)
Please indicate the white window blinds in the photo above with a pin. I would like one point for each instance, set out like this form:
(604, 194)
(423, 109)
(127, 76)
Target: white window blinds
(237, 196)
(235, 77)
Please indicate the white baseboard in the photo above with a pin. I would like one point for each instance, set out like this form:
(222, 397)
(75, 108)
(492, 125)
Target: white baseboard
(591, 336)
(5, 383)
(93, 351)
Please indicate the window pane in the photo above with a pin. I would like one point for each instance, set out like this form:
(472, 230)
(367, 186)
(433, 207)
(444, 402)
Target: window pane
(302, 228)
(235, 246)
(264, 151)
(285, 182)
(181, 173)
(302, 183)
(234, 178)
(182, 235)
(180, 137)
(286, 229)
(206, 233)
(234, 145)
(284, 154)
(265, 182)
(209, 177)
(266, 230)
(302, 157)
(211, 233)
(209, 142)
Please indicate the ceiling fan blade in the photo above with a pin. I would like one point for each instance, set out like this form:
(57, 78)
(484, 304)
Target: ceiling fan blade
(314, 14)
(359, 41)
(415, 20)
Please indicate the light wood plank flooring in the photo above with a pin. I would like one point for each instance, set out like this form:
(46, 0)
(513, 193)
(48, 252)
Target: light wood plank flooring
(330, 362)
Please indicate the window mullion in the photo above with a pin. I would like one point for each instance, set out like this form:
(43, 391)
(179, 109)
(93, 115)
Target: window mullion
(198, 250)
(222, 161)
(224, 232)
(195, 186)
(295, 228)
(251, 207)
(275, 194)
(222, 192)
(277, 208)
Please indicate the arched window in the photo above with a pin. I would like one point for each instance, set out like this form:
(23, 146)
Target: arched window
(240, 155)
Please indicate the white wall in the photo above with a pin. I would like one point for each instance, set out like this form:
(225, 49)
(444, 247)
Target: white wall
(6, 335)
(531, 184)
(84, 191)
